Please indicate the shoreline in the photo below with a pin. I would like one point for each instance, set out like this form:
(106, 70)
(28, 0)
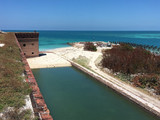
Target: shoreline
(45, 50)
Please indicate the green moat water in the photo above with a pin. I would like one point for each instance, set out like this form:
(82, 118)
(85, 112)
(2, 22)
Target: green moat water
(72, 95)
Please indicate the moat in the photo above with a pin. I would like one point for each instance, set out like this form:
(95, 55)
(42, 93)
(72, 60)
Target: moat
(72, 95)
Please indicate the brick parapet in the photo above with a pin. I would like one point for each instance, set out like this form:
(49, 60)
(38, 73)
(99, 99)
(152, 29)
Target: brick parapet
(38, 103)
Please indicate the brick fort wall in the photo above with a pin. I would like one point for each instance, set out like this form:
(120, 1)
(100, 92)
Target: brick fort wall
(29, 43)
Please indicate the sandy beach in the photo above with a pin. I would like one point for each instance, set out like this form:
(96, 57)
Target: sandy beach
(47, 61)
(58, 57)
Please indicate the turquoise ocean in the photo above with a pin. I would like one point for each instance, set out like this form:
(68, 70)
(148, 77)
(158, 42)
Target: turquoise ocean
(57, 39)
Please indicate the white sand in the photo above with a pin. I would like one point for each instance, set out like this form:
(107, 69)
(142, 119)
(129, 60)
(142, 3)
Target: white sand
(71, 52)
(57, 57)
(48, 60)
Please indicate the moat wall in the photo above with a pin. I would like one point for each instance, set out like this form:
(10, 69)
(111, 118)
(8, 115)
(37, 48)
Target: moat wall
(38, 103)
(118, 90)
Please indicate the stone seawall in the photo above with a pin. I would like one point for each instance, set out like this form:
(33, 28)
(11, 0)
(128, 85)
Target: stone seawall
(142, 103)
(38, 103)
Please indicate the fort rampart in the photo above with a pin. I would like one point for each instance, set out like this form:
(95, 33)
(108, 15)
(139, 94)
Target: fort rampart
(38, 103)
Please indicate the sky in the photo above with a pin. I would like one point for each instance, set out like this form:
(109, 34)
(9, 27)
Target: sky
(80, 15)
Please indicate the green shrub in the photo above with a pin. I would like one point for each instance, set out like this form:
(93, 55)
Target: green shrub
(90, 46)
(150, 81)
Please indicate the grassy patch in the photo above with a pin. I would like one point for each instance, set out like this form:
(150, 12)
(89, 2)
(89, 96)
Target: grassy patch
(124, 77)
(17, 114)
(82, 61)
(98, 60)
(12, 86)
(1, 37)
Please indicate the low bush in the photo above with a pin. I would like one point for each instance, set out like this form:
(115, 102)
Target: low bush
(150, 81)
(17, 114)
(82, 60)
(90, 46)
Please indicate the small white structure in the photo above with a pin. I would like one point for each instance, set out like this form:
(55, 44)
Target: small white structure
(1, 44)
(108, 44)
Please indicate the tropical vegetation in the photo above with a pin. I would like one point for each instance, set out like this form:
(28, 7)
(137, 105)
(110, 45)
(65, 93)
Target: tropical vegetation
(135, 61)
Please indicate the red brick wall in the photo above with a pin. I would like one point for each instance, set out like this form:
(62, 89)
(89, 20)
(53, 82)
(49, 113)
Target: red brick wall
(38, 103)
(29, 43)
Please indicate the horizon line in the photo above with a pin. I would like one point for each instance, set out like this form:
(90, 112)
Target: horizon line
(75, 30)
